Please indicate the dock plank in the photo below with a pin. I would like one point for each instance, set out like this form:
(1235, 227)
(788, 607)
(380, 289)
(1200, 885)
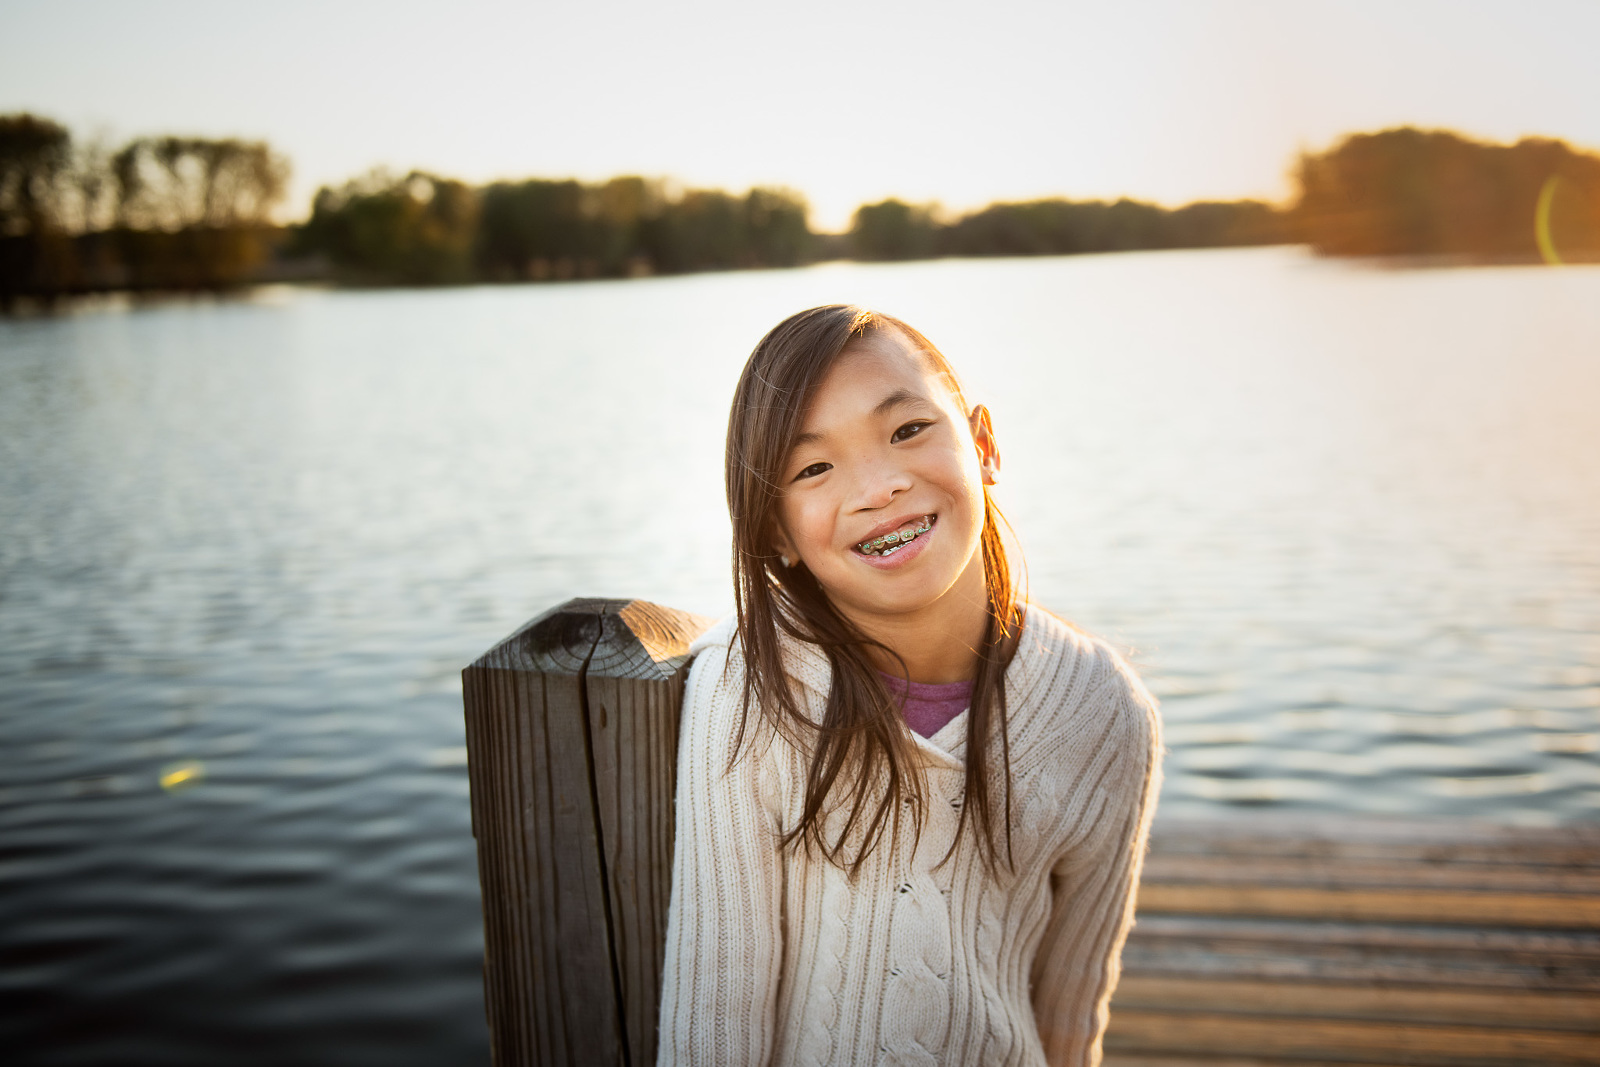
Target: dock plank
(1473, 907)
(1299, 943)
(1450, 1006)
(1386, 873)
(1354, 1041)
(1289, 950)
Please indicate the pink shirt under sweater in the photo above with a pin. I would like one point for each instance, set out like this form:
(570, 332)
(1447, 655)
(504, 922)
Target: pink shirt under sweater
(930, 707)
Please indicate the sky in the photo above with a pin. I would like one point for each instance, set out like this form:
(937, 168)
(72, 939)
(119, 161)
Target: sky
(848, 103)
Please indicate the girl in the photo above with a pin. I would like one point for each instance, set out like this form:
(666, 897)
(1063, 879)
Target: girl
(911, 807)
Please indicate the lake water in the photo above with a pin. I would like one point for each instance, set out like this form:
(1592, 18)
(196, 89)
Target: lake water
(1346, 519)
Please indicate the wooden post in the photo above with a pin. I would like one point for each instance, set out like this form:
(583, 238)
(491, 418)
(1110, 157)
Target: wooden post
(572, 727)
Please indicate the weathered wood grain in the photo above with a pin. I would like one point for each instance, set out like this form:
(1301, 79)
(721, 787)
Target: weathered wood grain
(1275, 942)
(1465, 906)
(1138, 1059)
(1351, 1041)
(1389, 873)
(1386, 955)
(1331, 1000)
(1411, 841)
(572, 740)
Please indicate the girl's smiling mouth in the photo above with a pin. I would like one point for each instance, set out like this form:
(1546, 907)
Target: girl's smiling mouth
(896, 540)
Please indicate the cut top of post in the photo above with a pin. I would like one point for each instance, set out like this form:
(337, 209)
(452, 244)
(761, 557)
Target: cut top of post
(615, 638)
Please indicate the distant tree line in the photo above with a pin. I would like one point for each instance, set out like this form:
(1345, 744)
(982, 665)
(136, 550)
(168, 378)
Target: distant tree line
(423, 229)
(896, 230)
(1409, 192)
(197, 213)
(157, 213)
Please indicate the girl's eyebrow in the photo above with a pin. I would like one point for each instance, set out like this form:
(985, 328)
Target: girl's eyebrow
(894, 400)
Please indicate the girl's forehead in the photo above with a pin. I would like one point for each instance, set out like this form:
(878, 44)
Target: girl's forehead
(868, 384)
(886, 358)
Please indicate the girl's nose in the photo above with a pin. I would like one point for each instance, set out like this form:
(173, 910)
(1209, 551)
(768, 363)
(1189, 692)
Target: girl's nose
(880, 484)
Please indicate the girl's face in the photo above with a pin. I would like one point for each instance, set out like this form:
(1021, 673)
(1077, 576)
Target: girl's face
(883, 491)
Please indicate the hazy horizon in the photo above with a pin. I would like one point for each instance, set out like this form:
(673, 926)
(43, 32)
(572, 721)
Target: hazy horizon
(1159, 101)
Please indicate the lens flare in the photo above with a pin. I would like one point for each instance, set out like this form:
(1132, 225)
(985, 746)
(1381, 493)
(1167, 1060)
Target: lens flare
(1541, 222)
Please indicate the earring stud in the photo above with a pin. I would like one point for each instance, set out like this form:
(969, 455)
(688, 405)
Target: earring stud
(786, 563)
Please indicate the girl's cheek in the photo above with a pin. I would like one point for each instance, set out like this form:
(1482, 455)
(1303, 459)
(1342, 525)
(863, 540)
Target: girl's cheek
(816, 533)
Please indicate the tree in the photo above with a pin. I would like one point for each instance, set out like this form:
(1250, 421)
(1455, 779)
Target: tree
(35, 255)
(34, 154)
(177, 183)
(893, 229)
(194, 212)
(778, 233)
(1415, 192)
(418, 230)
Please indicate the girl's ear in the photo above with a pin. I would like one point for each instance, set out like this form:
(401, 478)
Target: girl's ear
(988, 448)
(784, 547)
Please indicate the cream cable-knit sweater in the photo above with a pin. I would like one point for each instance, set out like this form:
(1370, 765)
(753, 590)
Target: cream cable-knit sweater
(783, 959)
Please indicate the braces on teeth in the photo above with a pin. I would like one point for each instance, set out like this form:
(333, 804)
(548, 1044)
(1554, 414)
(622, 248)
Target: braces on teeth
(895, 540)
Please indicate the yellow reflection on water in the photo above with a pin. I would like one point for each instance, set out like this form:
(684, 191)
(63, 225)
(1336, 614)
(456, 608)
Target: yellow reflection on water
(180, 776)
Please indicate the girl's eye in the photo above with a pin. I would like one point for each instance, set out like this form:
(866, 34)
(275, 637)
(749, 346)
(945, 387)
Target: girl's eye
(909, 430)
(814, 470)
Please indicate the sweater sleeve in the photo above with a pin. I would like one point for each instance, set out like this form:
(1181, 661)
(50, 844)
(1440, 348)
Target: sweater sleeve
(724, 934)
(1093, 890)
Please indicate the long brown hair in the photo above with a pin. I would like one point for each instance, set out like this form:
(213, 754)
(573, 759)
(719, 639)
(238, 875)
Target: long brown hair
(862, 758)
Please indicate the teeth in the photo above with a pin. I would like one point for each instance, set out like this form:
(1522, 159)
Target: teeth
(894, 540)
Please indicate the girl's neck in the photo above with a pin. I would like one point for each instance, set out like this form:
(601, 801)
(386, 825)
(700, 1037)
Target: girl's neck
(939, 643)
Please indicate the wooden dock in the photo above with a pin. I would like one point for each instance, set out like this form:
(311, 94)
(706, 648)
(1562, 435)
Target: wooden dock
(1313, 941)
(1260, 942)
